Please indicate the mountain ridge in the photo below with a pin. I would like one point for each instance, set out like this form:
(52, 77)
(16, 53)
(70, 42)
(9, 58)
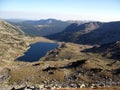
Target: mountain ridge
(89, 33)
(42, 27)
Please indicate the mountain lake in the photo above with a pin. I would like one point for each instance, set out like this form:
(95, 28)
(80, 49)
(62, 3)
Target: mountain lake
(37, 51)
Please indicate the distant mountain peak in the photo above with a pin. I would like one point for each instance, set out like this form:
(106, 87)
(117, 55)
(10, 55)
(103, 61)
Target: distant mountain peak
(50, 21)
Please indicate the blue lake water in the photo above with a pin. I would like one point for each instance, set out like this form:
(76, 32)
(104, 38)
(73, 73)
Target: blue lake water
(36, 51)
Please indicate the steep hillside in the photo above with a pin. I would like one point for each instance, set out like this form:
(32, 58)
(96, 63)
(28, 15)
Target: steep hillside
(11, 40)
(73, 31)
(12, 44)
(109, 50)
(90, 33)
(6, 27)
(108, 32)
(42, 27)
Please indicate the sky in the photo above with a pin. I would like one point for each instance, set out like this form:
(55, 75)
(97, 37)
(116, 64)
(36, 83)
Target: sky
(96, 10)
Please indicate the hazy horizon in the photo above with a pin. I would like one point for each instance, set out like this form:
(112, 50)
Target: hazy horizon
(91, 10)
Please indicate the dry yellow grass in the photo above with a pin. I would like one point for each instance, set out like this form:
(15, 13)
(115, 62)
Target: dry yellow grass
(36, 75)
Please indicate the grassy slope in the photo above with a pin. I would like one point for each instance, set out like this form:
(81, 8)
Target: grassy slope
(35, 74)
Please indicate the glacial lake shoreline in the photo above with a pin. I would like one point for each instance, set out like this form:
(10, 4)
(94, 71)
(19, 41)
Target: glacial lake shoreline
(37, 51)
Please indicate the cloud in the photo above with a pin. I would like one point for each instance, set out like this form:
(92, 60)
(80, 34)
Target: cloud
(63, 16)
